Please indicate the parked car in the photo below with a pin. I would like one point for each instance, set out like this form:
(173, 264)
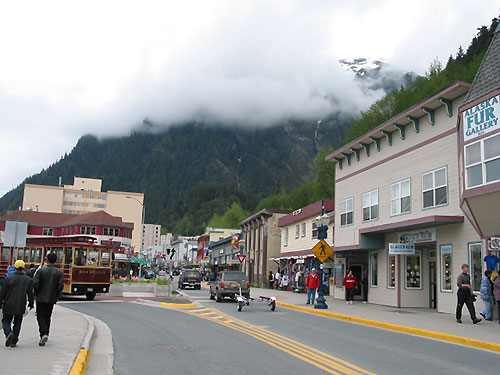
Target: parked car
(149, 274)
(227, 284)
(190, 278)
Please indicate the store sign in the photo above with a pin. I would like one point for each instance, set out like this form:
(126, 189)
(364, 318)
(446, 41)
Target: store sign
(401, 249)
(427, 235)
(111, 243)
(446, 249)
(494, 243)
(300, 261)
(482, 118)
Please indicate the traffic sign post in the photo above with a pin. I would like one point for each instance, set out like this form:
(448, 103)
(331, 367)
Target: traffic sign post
(322, 250)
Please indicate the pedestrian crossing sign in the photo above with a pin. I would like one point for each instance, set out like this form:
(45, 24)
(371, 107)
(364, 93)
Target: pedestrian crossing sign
(322, 250)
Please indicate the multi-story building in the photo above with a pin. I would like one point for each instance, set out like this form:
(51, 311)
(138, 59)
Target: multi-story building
(299, 235)
(223, 254)
(151, 235)
(85, 196)
(398, 210)
(262, 242)
(210, 236)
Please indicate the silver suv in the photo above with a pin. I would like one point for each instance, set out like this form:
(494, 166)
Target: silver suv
(227, 284)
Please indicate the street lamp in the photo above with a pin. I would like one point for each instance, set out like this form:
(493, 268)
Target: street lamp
(142, 225)
(322, 228)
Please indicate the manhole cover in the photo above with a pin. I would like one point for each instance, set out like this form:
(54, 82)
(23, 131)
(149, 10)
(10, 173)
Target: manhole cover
(170, 347)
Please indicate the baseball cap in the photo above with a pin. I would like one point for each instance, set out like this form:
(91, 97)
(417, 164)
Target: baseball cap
(19, 264)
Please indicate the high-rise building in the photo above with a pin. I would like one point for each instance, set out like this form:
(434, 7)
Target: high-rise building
(85, 196)
(151, 235)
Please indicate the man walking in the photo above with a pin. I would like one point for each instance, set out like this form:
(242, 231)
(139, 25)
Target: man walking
(13, 295)
(48, 287)
(465, 295)
(312, 284)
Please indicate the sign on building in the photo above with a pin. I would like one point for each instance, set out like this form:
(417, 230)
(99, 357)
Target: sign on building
(481, 119)
(426, 235)
(494, 243)
(401, 249)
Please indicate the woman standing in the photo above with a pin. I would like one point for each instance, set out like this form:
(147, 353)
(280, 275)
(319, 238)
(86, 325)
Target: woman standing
(487, 295)
(350, 283)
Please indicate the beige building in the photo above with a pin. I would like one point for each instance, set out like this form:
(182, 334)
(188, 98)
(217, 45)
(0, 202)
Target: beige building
(398, 213)
(262, 242)
(151, 235)
(85, 196)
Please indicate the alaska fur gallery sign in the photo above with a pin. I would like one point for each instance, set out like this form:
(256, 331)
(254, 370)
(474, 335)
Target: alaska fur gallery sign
(482, 118)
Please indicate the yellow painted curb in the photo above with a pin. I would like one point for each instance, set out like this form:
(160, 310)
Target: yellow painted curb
(80, 365)
(394, 327)
(177, 304)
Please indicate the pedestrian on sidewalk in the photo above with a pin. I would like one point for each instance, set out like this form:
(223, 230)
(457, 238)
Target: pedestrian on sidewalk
(48, 288)
(277, 279)
(350, 283)
(31, 272)
(298, 275)
(465, 295)
(271, 280)
(312, 284)
(496, 292)
(16, 288)
(487, 295)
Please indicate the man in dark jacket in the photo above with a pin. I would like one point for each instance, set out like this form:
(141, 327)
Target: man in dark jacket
(48, 288)
(13, 295)
(465, 295)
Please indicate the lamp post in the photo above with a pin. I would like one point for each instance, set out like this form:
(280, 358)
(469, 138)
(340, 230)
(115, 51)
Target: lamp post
(142, 224)
(322, 227)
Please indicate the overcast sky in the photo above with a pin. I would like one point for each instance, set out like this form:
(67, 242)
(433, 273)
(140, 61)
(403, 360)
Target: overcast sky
(68, 68)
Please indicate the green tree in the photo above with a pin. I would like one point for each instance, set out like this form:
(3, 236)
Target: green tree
(231, 218)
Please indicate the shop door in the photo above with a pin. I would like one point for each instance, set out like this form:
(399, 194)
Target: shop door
(432, 284)
(357, 271)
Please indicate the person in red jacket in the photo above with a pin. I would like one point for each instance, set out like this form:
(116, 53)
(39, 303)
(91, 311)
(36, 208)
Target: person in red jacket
(350, 283)
(312, 283)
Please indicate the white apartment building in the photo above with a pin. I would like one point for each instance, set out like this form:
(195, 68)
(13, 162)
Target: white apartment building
(151, 235)
(85, 196)
(398, 210)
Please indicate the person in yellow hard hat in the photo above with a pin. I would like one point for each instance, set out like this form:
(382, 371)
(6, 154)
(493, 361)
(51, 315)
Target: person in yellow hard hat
(16, 288)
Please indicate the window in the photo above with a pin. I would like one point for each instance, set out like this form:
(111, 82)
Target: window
(297, 230)
(90, 205)
(346, 212)
(69, 195)
(400, 197)
(48, 231)
(286, 236)
(80, 257)
(370, 205)
(475, 265)
(68, 255)
(68, 211)
(446, 267)
(87, 230)
(103, 197)
(79, 204)
(303, 229)
(100, 205)
(391, 271)
(374, 269)
(68, 203)
(482, 161)
(93, 258)
(413, 267)
(116, 232)
(91, 196)
(127, 233)
(435, 188)
(105, 231)
(314, 230)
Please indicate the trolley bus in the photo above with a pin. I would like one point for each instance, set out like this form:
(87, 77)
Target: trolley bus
(86, 266)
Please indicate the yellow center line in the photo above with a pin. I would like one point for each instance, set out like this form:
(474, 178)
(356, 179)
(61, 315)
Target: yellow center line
(304, 352)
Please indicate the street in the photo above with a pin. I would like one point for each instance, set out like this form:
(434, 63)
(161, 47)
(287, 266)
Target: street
(214, 338)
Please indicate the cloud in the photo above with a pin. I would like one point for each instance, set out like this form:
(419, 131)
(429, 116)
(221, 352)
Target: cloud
(70, 68)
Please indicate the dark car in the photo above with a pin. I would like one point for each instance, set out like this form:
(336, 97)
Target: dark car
(228, 283)
(149, 274)
(190, 278)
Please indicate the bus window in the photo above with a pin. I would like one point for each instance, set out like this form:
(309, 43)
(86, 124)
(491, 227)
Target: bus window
(38, 256)
(93, 258)
(26, 255)
(68, 255)
(59, 252)
(5, 254)
(20, 254)
(32, 255)
(105, 258)
(81, 257)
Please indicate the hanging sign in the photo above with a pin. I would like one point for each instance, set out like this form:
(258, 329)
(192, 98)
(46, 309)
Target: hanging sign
(481, 119)
(494, 243)
(401, 249)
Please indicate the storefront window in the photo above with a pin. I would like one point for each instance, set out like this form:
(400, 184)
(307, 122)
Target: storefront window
(413, 268)
(446, 267)
(374, 268)
(475, 265)
(391, 271)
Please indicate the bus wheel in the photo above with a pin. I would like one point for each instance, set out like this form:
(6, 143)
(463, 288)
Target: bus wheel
(90, 295)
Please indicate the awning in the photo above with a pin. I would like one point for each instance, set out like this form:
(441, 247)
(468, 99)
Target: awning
(293, 255)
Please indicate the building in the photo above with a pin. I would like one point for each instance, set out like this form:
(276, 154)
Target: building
(210, 236)
(151, 235)
(479, 147)
(298, 236)
(223, 254)
(85, 196)
(262, 242)
(398, 212)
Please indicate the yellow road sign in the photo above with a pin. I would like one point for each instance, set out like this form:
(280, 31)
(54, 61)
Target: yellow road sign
(322, 250)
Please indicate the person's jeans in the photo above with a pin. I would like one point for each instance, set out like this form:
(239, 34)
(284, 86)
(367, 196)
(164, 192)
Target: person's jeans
(488, 305)
(43, 315)
(311, 294)
(349, 294)
(7, 321)
(465, 297)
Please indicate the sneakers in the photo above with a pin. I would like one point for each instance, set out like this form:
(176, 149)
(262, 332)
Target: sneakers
(350, 302)
(459, 320)
(43, 340)
(475, 321)
(308, 303)
(10, 339)
(346, 302)
(484, 316)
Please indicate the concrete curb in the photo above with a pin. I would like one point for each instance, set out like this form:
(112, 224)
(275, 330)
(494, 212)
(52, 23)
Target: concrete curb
(177, 304)
(394, 327)
(80, 364)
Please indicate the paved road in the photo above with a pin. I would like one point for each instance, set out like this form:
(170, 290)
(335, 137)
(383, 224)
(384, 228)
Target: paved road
(214, 338)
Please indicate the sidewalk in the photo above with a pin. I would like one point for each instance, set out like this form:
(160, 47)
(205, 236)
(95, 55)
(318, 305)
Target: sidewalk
(420, 318)
(68, 329)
